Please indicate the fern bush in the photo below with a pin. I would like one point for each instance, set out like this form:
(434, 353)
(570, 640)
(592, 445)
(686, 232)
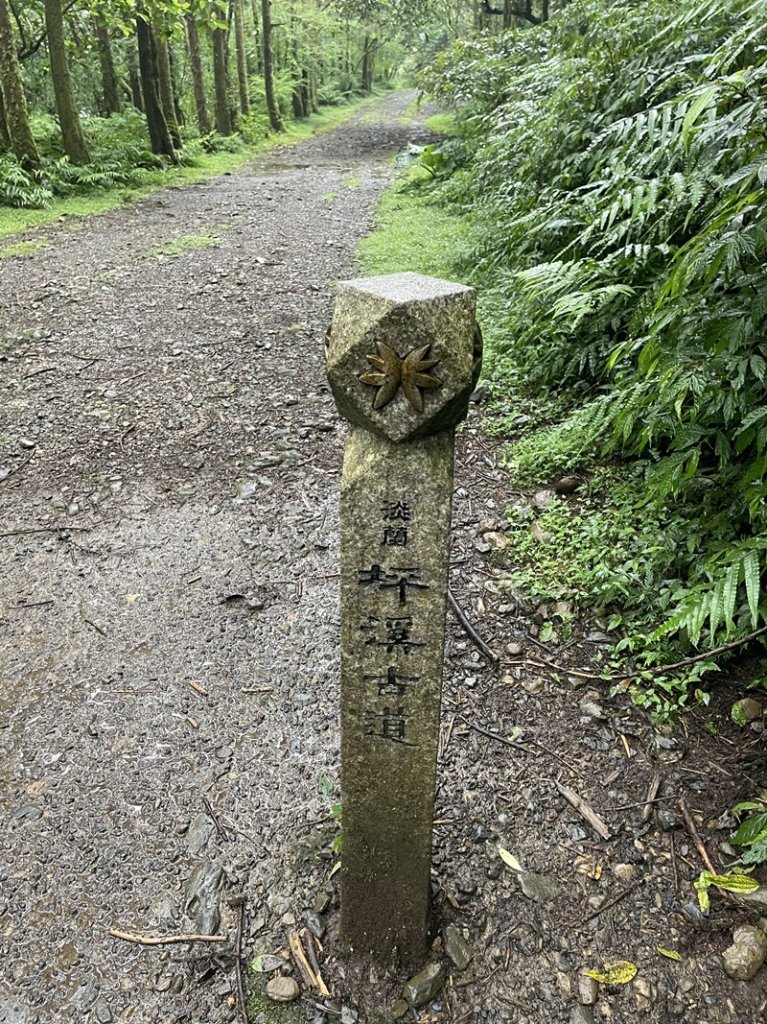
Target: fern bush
(615, 171)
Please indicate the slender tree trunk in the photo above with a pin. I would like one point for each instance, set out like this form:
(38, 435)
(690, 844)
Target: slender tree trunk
(544, 10)
(109, 85)
(198, 81)
(180, 119)
(259, 49)
(134, 83)
(165, 82)
(75, 145)
(5, 139)
(223, 121)
(275, 118)
(242, 63)
(368, 63)
(162, 144)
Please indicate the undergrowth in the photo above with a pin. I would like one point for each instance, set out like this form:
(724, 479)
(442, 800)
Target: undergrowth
(614, 185)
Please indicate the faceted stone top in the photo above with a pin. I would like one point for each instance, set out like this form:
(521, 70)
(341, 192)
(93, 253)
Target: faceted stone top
(403, 353)
(405, 287)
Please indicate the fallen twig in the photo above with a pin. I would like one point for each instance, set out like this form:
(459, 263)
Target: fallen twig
(470, 631)
(95, 626)
(586, 812)
(652, 793)
(18, 469)
(654, 670)
(312, 953)
(45, 529)
(611, 903)
(44, 369)
(519, 746)
(164, 940)
(690, 826)
(297, 952)
(213, 817)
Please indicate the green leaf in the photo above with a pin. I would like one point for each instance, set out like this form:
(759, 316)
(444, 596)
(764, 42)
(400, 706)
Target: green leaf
(617, 972)
(671, 954)
(699, 104)
(752, 830)
(737, 714)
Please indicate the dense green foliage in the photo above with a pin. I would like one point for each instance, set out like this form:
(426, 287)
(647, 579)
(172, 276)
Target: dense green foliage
(614, 166)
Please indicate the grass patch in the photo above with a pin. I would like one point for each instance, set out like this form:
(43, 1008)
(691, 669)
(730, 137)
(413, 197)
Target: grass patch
(352, 182)
(411, 233)
(184, 243)
(25, 248)
(15, 221)
(441, 124)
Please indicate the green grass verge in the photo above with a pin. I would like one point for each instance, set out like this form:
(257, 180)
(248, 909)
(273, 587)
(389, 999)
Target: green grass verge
(17, 221)
(411, 233)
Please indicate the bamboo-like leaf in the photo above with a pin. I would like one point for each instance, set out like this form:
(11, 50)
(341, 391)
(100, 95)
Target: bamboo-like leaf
(752, 581)
(617, 972)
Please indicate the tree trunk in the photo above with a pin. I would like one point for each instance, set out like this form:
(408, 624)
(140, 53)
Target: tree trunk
(198, 81)
(109, 85)
(275, 119)
(5, 139)
(16, 113)
(368, 63)
(134, 81)
(75, 145)
(259, 50)
(242, 63)
(165, 82)
(223, 121)
(180, 119)
(544, 10)
(162, 144)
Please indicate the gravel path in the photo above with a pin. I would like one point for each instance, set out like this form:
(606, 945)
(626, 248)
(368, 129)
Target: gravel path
(169, 465)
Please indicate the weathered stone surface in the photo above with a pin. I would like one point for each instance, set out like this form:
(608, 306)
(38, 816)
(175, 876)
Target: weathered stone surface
(403, 314)
(746, 954)
(282, 990)
(201, 897)
(456, 947)
(402, 358)
(425, 985)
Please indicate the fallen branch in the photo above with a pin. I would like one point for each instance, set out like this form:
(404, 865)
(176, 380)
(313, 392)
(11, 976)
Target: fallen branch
(469, 630)
(164, 940)
(655, 670)
(586, 812)
(297, 952)
(519, 746)
(652, 794)
(689, 824)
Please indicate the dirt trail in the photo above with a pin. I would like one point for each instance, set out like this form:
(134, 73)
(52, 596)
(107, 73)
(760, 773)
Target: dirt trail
(169, 460)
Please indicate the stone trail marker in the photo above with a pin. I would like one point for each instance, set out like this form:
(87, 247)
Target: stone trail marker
(403, 354)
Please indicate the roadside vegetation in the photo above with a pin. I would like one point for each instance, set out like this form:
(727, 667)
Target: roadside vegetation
(606, 171)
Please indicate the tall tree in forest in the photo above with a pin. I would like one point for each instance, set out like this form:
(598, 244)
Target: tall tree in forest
(257, 37)
(72, 135)
(110, 90)
(165, 80)
(16, 113)
(219, 37)
(160, 138)
(198, 80)
(5, 139)
(273, 109)
(242, 63)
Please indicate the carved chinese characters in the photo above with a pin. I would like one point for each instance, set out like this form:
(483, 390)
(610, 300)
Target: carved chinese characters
(418, 334)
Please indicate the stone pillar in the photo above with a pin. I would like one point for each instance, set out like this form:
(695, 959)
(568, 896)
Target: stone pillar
(403, 354)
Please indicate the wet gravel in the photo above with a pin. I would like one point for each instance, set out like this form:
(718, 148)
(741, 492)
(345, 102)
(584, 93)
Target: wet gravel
(169, 464)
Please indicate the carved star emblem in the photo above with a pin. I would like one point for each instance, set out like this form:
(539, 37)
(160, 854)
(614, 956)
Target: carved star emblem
(410, 371)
